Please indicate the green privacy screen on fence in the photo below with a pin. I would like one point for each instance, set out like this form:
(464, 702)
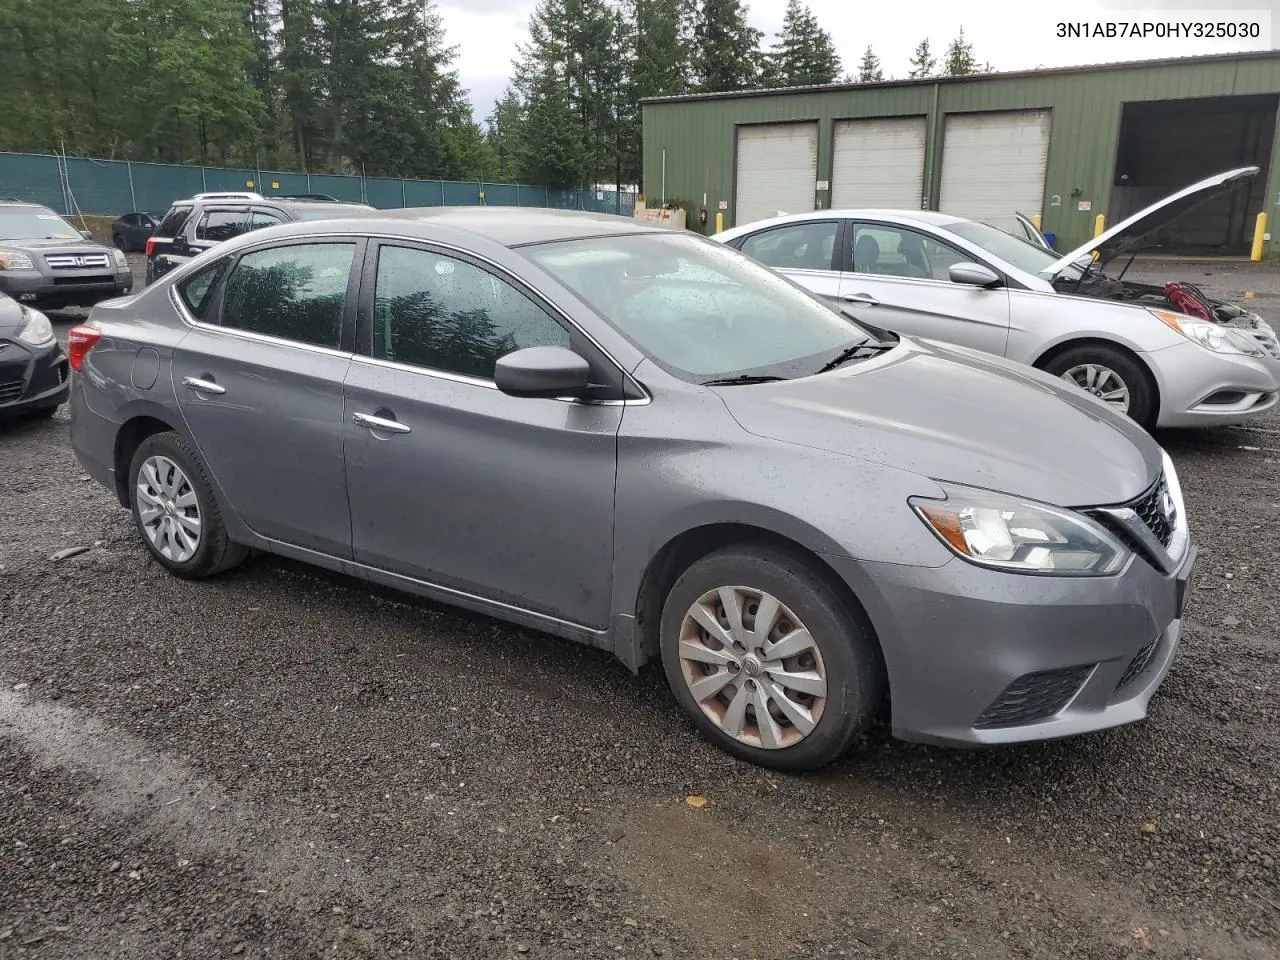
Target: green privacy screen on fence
(79, 185)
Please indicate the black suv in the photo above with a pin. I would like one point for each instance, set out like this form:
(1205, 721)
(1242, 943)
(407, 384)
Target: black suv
(192, 226)
(45, 262)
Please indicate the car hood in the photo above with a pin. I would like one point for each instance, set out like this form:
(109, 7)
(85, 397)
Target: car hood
(67, 245)
(10, 316)
(956, 415)
(1128, 234)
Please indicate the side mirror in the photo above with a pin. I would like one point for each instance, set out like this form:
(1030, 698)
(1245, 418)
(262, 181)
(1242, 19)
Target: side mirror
(546, 372)
(87, 234)
(973, 274)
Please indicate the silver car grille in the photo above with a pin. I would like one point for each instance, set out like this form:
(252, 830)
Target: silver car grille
(77, 261)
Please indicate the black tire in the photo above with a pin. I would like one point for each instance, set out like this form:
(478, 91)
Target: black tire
(119, 241)
(1143, 404)
(855, 679)
(214, 553)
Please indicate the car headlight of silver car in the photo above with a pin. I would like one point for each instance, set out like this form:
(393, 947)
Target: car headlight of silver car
(15, 261)
(36, 330)
(1006, 533)
(121, 260)
(1211, 336)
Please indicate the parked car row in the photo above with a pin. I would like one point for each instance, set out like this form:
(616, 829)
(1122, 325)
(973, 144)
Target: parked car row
(647, 441)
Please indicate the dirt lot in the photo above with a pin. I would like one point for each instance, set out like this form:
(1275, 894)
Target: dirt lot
(282, 763)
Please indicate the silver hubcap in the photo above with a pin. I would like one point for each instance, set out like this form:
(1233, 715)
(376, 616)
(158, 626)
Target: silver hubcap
(752, 667)
(1103, 382)
(168, 509)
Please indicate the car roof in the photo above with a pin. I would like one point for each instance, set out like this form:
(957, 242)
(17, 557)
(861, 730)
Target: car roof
(508, 226)
(931, 217)
(24, 203)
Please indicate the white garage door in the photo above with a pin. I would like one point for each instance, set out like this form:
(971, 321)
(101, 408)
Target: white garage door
(878, 163)
(993, 165)
(777, 170)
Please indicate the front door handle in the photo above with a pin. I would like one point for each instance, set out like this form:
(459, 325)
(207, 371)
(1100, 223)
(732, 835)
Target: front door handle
(866, 299)
(204, 386)
(379, 423)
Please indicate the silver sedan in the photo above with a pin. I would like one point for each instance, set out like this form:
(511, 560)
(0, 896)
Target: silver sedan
(941, 277)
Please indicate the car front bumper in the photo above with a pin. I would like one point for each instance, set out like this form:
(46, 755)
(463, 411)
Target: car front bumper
(32, 378)
(978, 656)
(44, 290)
(1201, 388)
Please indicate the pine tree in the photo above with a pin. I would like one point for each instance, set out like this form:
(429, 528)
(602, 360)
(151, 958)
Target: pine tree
(922, 61)
(803, 53)
(959, 60)
(726, 54)
(869, 70)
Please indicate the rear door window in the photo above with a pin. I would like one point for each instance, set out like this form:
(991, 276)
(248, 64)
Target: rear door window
(173, 221)
(216, 226)
(294, 292)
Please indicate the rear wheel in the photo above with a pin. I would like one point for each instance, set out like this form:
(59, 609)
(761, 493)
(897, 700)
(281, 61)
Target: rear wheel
(1111, 375)
(767, 660)
(119, 241)
(175, 511)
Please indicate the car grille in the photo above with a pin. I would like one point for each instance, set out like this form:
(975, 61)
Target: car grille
(96, 278)
(1150, 508)
(78, 261)
(10, 390)
(1034, 697)
(1138, 663)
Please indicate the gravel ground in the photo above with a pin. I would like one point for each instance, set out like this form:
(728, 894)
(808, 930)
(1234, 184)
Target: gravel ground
(284, 763)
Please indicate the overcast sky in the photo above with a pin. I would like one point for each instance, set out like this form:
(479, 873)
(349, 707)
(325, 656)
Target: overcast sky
(1011, 37)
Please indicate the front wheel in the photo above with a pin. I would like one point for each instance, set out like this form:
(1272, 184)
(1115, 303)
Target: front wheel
(175, 511)
(767, 660)
(1112, 376)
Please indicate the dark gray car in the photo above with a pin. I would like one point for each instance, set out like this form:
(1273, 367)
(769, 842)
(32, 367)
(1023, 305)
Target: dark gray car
(642, 440)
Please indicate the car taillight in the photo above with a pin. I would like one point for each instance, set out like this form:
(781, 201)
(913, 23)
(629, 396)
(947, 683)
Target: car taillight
(79, 341)
(151, 245)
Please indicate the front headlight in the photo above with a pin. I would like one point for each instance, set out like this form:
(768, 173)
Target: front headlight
(36, 331)
(15, 261)
(1005, 533)
(121, 259)
(1211, 336)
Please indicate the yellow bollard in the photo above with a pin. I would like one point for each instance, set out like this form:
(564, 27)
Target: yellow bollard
(719, 221)
(1099, 224)
(1035, 220)
(1259, 230)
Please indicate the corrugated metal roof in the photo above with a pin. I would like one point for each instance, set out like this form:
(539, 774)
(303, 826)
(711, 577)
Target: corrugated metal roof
(972, 78)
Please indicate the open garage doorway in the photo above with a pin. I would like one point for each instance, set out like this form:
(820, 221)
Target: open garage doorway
(1169, 144)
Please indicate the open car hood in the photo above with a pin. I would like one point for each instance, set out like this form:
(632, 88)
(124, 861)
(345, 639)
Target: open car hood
(1128, 234)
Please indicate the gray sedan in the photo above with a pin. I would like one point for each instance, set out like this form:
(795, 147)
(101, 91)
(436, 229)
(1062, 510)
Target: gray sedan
(642, 440)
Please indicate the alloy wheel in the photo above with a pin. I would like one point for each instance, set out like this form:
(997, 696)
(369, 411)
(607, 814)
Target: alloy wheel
(168, 509)
(752, 667)
(1103, 382)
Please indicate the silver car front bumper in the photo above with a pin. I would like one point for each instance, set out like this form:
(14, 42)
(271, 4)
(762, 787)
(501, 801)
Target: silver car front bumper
(1201, 388)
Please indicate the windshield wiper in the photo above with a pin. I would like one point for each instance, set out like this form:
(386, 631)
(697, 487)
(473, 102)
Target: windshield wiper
(736, 381)
(867, 348)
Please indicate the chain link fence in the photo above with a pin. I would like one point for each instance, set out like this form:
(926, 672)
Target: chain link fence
(80, 185)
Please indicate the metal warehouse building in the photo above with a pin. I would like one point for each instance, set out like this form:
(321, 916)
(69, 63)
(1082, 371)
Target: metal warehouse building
(1064, 144)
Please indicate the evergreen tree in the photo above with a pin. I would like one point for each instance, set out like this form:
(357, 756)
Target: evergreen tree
(726, 54)
(959, 60)
(803, 54)
(922, 61)
(869, 70)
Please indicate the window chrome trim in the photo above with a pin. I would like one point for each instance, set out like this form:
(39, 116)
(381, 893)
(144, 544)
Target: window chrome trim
(191, 321)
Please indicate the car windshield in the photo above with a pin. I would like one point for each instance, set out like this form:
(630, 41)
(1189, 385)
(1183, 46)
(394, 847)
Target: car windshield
(699, 309)
(1015, 251)
(35, 224)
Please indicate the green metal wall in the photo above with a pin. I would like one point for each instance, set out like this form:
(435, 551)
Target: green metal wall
(698, 135)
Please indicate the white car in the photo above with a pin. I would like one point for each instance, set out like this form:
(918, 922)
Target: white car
(1138, 347)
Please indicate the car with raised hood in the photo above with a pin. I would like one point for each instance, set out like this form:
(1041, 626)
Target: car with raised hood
(1166, 356)
(642, 440)
(49, 264)
(35, 377)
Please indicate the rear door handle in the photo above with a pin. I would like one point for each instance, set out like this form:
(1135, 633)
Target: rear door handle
(866, 299)
(204, 386)
(379, 423)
